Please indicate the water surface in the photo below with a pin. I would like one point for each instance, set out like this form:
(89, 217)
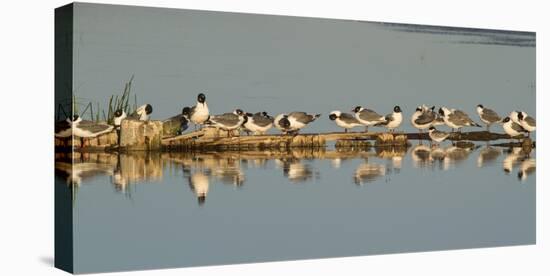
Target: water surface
(148, 210)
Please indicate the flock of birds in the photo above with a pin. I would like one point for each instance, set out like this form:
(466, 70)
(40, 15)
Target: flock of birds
(424, 117)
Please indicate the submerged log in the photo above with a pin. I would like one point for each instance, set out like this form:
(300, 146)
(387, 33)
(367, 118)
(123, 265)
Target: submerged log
(140, 135)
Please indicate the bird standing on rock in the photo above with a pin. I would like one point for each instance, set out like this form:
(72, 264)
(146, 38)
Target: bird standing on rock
(423, 117)
(119, 116)
(487, 116)
(437, 136)
(282, 123)
(142, 113)
(456, 119)
(512, 128)
(199, 113)
(367, 117)
(393, 120)
(299, 120)
(527, 122)
(228, 121)
(344, 120)
(258, 123)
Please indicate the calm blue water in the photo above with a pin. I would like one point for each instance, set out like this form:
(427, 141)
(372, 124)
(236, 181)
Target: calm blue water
(143, 211)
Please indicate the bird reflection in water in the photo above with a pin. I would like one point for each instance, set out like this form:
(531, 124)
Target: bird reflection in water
(512, 158)
(526, 168)
(76, 173)
(394, 155)
(228, 171)
(424, 156)
(199, 183)
(294, 169)
(136, 167)
(420, 155)
(199, 168)
(455, 155)
(517, 157)
(255, 163)
(487, 156)
(368, 172)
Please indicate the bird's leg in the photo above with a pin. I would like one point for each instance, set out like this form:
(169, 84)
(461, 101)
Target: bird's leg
(345, 130)
(366, 129)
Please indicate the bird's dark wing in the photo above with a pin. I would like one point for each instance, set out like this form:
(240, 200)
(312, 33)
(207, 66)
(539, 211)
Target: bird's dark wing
(227, 119)
(425, 118)
(261, 120)
(490, 115)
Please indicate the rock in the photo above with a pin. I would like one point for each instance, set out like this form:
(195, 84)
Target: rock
(389, 139)
(212, 132)
(140, 135)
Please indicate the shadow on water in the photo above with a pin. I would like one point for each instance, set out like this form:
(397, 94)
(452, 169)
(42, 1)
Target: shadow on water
(200, 169)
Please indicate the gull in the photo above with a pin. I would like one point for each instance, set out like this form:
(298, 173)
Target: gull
(437, 135)
(512, 128)
(228, 121)
(258, 123)
(527, 122)
(456, 119)
(142, 113)
(344, 120)
(487, 116)
(199, 113)
(299, 120)
(393, 120)
(367, 117)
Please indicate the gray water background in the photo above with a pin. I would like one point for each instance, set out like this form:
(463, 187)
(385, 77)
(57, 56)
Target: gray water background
(282, 64)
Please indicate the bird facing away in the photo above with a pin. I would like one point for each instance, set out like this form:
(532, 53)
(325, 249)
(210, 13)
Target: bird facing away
(456, 119)
(282, 123)
(299, 120)
(344, 120)
(423, 117)
(258, 123)
(487, 116)
(228, 121)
